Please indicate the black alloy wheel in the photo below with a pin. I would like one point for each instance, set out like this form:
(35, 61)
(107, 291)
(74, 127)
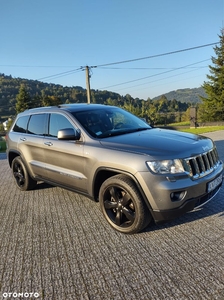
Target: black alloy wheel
(22, 178)
(122, 205)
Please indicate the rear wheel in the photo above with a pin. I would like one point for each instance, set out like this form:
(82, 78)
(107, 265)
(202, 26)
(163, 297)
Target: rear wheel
(122, 205)
(22, 178)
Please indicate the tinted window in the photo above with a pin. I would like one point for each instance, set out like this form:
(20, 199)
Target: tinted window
(21, 124)
(58, 122)
(37, 124)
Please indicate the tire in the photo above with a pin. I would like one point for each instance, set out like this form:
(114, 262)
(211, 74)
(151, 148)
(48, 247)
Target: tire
(21, 176)
(123, 206)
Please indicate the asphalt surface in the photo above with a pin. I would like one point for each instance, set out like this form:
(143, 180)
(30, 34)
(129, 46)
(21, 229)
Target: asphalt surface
(55, 244)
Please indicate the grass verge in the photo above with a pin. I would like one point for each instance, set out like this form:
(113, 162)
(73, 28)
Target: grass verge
(201, 130)
(2, 144)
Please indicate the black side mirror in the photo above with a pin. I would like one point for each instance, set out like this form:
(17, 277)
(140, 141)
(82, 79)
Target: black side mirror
(69, 134)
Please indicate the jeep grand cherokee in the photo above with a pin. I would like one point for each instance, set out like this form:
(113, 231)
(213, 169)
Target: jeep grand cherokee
(138, 173)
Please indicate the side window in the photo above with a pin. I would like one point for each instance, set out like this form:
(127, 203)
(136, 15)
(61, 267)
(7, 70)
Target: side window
(58, 122)
(37, 124)
(21, 124)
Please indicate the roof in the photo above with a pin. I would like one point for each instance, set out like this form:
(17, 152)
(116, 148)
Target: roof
(68, 107)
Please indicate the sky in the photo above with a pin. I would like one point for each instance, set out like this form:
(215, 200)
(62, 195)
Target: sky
(144, 48)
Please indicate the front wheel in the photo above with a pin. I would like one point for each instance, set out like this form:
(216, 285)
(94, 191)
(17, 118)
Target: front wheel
(22, 178)
(122, 205)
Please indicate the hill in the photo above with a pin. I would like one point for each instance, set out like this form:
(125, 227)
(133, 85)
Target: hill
(174, 101)
(185, 95)
(9, 88)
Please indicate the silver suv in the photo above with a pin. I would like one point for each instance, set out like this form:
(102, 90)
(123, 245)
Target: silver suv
(138, 173)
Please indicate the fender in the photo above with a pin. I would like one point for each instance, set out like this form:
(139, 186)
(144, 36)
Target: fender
(98, 179)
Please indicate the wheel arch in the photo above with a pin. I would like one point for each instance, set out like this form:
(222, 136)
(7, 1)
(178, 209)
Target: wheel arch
(11, 155)
(104, 173)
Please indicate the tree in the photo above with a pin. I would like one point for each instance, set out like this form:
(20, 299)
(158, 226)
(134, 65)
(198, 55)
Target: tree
(51, 101)
(23, 99)
(212, 108)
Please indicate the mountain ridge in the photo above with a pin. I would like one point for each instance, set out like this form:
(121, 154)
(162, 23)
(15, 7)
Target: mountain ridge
(184, 95)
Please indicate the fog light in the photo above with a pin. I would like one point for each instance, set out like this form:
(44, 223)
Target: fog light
(177, 196)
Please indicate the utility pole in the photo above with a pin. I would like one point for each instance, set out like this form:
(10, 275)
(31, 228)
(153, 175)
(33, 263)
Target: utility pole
(88, 84)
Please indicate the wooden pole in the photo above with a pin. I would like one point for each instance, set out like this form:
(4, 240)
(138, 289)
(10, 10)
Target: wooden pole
(88, 85)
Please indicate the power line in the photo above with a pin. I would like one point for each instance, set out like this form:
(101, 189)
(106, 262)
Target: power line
(36, 66)
(61, 74)
(125, 61)
(153, 56)
(137, 85)
(161, 73)
(146, 68)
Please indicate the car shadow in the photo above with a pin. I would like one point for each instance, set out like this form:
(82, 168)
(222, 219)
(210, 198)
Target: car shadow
(43, 185)
(214, 207)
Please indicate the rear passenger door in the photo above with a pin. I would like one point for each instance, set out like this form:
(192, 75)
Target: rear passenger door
(64, 159)
(31, 142)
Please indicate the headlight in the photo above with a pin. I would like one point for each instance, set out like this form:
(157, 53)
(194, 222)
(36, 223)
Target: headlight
(166, 166)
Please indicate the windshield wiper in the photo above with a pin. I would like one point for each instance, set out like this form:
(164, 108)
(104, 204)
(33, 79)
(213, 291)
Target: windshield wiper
(111, 133)
(120, 132)
(141, 129)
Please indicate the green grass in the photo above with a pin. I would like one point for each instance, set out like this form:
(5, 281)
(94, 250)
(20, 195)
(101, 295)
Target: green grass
(2, 144)
(201, 130)
(187, 123)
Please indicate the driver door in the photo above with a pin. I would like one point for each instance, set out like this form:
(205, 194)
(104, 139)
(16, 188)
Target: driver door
(64, 159)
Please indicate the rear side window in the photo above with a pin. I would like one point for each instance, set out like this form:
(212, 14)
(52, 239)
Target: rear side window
(21, 124)
(37, 124)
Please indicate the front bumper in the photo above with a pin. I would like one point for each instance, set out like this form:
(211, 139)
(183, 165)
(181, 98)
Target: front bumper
(189, 205)
(158, 191)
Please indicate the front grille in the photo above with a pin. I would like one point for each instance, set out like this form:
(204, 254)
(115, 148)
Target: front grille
(201, 165)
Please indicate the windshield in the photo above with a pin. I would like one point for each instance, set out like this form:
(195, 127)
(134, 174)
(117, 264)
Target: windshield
(105, 122)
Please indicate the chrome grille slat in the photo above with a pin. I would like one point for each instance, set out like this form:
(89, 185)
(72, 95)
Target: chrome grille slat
(213, 157)
(197, 171)
(207, 165)
(202, 164)
(211, 162)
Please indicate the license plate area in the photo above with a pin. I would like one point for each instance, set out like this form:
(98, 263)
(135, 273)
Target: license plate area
(214, 183)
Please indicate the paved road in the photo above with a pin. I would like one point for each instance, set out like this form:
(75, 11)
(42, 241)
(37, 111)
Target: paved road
(55, 244)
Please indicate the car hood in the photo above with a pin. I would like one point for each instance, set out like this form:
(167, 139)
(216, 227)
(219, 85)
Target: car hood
(159, 143)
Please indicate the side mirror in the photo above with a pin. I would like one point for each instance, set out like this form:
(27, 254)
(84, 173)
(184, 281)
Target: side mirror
(69, 134)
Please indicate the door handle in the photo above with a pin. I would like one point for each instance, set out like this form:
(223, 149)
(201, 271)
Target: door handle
(48, 144)
(23, 139)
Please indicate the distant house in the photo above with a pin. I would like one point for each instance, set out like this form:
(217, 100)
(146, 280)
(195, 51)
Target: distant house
(5, 124)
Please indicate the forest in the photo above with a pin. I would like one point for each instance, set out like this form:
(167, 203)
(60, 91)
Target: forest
(160, 110)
